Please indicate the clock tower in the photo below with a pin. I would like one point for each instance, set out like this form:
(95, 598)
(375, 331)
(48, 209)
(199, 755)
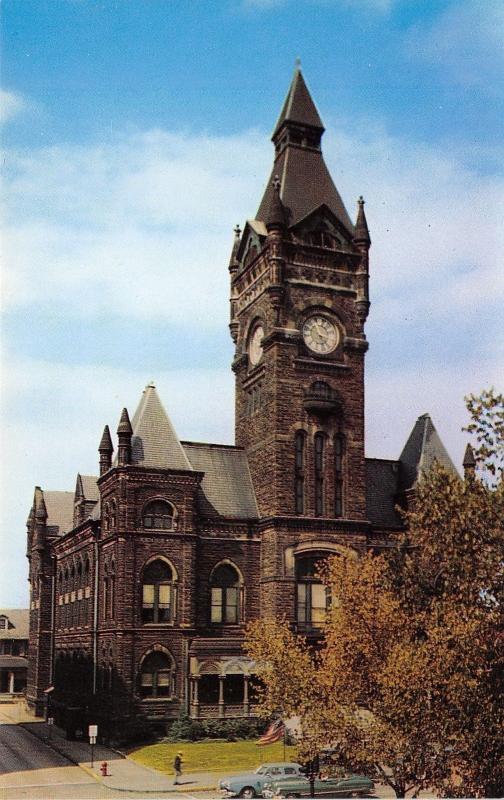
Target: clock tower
(299, 301)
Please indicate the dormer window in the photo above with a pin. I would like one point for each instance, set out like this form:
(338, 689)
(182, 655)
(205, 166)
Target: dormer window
(158, 514)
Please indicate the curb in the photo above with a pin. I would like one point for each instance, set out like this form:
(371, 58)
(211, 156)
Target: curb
(171, 790)
(50, 743)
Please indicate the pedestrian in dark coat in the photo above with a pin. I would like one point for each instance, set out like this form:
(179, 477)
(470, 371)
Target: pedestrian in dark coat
(177, 767)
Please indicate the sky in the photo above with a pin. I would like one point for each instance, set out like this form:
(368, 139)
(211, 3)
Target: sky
(136, 134)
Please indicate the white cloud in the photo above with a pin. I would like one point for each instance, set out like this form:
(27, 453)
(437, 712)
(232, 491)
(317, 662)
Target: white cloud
(466, 41)
(53, 420)
(133, 228)
(11, 104)
(142, 228)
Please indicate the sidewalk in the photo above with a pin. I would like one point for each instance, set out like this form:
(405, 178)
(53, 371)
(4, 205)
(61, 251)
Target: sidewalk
(123, 773)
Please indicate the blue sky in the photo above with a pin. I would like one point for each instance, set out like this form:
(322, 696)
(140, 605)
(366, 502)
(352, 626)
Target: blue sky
(136, 135)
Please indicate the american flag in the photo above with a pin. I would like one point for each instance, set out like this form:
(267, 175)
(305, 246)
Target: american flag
(274, 733)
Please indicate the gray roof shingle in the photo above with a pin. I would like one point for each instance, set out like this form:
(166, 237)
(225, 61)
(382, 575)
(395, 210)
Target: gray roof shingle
(19, 619)
(423, 448)
(60, 510)
(154, 441)
(226, 488)
(89, 487)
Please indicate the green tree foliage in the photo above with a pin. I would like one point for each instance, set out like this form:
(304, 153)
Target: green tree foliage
(408, 685)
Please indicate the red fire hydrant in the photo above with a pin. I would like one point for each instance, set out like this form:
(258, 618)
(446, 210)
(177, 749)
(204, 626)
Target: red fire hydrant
(103, 769)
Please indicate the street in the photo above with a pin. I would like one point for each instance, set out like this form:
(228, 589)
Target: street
(30, 768)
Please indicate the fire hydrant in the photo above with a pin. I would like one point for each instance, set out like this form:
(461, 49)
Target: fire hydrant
(103, 769)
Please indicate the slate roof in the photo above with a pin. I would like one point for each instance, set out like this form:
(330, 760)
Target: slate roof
(305, 185)
(299, 106)
(305, 182)
(422, 449)
(226, 489)
(89, 487)
(19, 619)
(154, 441)
(382, 486)
(60, 510)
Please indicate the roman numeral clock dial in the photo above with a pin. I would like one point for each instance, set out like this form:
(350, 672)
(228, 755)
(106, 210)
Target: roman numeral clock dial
(320, 334)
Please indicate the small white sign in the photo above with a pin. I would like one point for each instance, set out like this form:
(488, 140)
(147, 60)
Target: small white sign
(50, 720)
(92, 740)
(93, 731)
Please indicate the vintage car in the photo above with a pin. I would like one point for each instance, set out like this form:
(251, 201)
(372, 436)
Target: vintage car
(251, 784)
(344, 785)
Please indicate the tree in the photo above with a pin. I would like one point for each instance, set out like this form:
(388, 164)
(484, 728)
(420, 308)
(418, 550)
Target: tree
(408, 684)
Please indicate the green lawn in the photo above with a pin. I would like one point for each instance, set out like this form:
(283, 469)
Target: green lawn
(212, 755)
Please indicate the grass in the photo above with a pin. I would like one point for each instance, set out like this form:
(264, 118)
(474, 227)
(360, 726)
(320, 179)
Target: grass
(211, 755)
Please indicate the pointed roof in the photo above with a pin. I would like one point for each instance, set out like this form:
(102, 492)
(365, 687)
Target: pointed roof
(422, 449)
(155, 442)
(305, 182)
(298, 106)
(469, 460)
(275, 217)
(106, 445)
(124, 423)
(361, 227)
(86, 486)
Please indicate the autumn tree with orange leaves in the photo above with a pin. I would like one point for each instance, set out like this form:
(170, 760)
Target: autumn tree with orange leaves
(408, 685)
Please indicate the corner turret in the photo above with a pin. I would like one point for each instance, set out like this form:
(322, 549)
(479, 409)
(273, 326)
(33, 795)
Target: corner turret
(105, 450)
(124, 433)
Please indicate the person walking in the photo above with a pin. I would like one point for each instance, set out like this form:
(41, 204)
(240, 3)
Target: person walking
(177, 766)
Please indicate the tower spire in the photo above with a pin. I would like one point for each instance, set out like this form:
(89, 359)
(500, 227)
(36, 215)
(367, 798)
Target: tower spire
(299, 110)
(305, 182)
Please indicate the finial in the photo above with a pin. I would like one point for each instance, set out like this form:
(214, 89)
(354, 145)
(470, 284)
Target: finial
(237, 231)
(297, 62)
(361, 200)
(151, 385)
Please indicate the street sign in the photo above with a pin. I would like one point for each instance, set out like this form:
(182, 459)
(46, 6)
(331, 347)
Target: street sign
(50, 720)
(92, 740)
(93, 731)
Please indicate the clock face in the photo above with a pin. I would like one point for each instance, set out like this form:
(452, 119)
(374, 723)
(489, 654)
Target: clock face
(320, 334)
(255, 345)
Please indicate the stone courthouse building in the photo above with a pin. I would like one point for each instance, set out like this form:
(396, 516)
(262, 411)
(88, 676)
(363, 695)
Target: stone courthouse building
(143, 577)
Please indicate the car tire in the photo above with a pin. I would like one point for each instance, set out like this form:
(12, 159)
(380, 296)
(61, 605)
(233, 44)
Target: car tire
(248, 791)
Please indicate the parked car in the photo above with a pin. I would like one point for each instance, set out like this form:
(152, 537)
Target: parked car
(341, 786)
(251, 784)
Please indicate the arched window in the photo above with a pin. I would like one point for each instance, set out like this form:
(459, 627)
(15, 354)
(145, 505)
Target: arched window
(311, 593)
(319, 474)
(338, 475)
(321, 389)
(106, 517)
(225, 595)
(299, 471)
(112, 591)
(158, 592)
(157, 675)
(105, 592)
(158, 514)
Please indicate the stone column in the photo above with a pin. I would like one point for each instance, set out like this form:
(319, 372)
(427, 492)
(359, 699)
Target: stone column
(222, 678)
(194, 696)
(11, 683)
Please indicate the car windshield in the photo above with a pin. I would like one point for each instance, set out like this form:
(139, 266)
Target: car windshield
(261, 770)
